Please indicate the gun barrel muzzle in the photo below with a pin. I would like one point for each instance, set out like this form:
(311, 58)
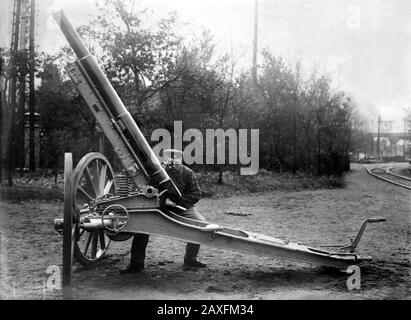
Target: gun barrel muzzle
(71, 34)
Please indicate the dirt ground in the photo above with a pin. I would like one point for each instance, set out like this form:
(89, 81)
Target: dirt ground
(29, 245)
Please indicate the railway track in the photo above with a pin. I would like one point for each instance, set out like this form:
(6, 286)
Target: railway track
(387, 174)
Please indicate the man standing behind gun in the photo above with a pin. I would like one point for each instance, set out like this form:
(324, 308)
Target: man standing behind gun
(186, 181)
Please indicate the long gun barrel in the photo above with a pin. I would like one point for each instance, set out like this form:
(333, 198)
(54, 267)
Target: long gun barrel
(122, 121)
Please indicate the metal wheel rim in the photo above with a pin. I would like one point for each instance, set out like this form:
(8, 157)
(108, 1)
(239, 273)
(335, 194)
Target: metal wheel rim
(70, 224)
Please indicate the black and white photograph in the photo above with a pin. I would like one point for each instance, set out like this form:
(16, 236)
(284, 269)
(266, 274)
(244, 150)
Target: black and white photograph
(232, 151)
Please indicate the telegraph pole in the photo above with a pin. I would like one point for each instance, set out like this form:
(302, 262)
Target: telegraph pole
(10, 130)
(378, 137)
(31, 87)
(403, 147)
(14, 48)
(1, 110)
(406, 136)
(23, 81)
(255, 45)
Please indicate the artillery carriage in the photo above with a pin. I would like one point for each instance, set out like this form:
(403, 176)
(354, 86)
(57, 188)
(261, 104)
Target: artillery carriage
(100, 207)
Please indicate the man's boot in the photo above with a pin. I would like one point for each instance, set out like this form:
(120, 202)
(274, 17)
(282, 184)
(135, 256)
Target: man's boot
(190, 258)
(138, 254)
(133, 268)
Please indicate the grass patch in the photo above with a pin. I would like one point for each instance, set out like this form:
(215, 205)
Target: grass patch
(38, 187)
(33, 187)
(405, 172)
(264, 181)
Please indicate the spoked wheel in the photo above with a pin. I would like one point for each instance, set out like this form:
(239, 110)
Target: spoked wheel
(93, 180)
(70, 225)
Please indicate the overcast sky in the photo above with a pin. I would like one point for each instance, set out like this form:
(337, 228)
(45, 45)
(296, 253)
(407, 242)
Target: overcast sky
(365, 45)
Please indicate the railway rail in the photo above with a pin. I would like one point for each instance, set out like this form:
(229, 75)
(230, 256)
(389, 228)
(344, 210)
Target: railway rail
(387, 174)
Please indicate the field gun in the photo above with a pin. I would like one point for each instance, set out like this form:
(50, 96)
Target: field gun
(100, 207)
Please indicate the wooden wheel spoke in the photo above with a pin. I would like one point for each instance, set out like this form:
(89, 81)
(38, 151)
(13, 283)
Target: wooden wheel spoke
(90, 235)
(89, 177)
(103, 175)
(94, 244)
(85, 193)
(96, 177)
(102, 240)
(108, 186)
(81, 233)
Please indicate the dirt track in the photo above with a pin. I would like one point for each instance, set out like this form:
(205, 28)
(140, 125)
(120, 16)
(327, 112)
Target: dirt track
(29, 245)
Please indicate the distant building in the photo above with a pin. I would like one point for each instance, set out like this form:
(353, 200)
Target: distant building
(393, 146)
